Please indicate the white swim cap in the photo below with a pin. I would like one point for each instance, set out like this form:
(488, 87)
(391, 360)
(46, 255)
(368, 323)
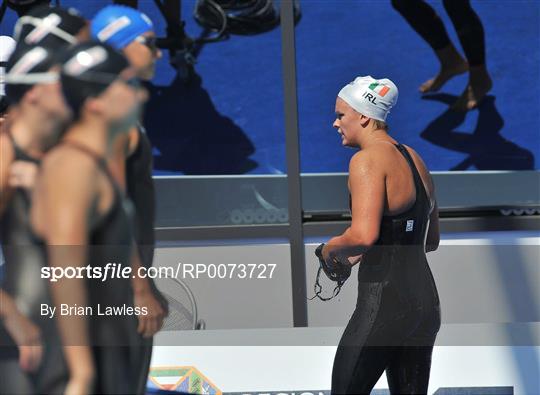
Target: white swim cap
(370, 97)
(7, 45)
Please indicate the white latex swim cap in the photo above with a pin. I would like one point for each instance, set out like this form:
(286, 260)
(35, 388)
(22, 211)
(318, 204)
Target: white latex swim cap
(7, 45)
(370, 97)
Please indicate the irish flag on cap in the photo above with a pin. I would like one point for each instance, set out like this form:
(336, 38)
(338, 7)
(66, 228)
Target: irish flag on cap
(380, 89)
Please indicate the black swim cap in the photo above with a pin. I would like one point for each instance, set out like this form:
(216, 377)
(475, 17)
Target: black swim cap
(28, 66)
(23, 6)
(50, 26)
(88, 69)
(4, 105)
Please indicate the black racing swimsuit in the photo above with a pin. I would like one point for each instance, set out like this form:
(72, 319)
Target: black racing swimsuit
(140, 189)
(397, 315)
(115, 342)
(24, 257)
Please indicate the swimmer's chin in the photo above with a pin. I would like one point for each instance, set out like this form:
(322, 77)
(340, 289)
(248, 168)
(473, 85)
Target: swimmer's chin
(345, 143)
(349, 145)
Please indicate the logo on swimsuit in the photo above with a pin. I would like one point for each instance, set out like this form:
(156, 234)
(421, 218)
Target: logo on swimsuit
(185, 379)
(410, 225)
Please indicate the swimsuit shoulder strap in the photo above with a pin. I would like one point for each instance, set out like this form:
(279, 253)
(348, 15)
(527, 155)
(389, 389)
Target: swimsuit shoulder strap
(418, 183)
(99, 160)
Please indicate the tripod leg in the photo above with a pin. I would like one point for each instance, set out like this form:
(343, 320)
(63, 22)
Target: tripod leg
(173, 8)
(129, 3)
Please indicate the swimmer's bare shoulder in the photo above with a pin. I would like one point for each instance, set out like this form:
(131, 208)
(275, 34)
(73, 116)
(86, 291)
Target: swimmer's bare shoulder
(375, 159)
(361, 165)
(7, 156)
(64, 191)
(69, 162)
(367, 191)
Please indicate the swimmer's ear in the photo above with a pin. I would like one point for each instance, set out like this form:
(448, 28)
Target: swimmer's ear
(94, 106)
(143, 95)
(364, 121)
(38, 92)
(32, 95)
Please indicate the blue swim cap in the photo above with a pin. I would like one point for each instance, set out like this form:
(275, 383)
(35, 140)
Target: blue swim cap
(119, 25)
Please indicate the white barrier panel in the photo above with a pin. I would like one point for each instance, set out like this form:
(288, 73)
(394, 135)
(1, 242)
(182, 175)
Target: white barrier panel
(489, 342)
(481, 278)
(247, 286)
(307, 369)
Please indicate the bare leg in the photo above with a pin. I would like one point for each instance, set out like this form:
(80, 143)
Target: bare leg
(452, 64)
(425, 21)
(479, 85)
(472, 38)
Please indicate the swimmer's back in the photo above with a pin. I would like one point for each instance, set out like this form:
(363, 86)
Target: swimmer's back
(385, 159)
(399, 181)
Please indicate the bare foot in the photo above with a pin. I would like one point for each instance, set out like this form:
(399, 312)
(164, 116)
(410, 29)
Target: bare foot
(445, 74)
(452, 64)
(479, 85)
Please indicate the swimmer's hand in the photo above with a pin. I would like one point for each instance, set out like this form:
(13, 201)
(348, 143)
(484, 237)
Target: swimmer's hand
(151, 323)
(23, 174)
(334, 270)
(82, 370)
(27, 336)
(353, 260)
(79, 385)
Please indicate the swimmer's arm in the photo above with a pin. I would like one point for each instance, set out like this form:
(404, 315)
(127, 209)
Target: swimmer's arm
(368, 188)
(133, 141)
(7, 305)
(24, 332)
(63, 202)
(143, 296)
(6, 158)
(138, 283)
